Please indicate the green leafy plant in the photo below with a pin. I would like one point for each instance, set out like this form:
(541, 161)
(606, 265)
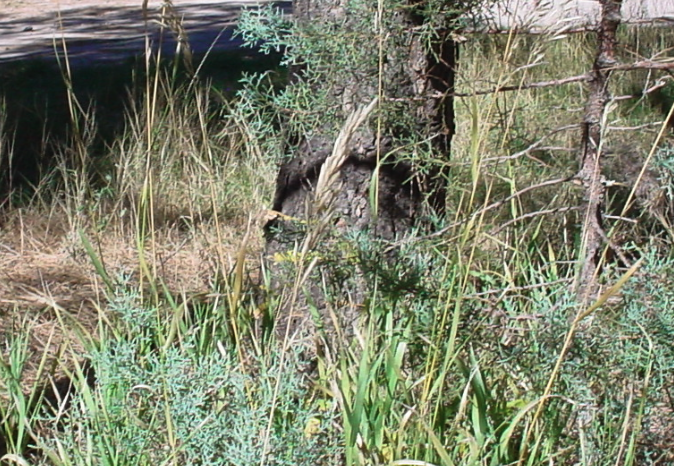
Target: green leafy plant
(182, 404)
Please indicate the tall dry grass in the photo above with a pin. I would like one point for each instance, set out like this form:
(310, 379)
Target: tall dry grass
(468, 352)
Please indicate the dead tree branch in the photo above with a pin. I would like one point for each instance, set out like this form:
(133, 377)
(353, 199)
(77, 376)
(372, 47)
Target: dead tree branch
(519, 87)
(586, 77)
(590, 174)
(536, 145)
(492, 206)
(653, 124)
(538, 213)
(658, 85)
(662, 21)
(644, 65)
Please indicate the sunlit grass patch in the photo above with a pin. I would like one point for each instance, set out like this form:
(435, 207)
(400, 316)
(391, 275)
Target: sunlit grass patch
(464, 350)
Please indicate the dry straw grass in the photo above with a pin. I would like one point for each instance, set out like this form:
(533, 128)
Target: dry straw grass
(328, 184)
(50, 290)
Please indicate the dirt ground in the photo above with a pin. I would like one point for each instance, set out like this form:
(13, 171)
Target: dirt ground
(51, 294)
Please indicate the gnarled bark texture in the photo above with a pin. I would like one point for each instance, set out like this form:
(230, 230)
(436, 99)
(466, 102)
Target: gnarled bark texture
(414, 85)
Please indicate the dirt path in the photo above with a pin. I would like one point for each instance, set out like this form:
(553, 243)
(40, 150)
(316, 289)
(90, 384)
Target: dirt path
(111, 29)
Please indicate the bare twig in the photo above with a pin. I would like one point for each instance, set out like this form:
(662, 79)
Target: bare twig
(484, 210)
(522, 191)
(519, 87)
(644, 65)
(533, 146)
(517, 288)
(661, 21)
(639, 65)
(658, 85)
(636, 128)
(533, 214)
(622, 219)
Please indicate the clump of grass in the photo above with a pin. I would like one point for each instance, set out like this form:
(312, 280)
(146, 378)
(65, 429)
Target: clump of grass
(17, 408)
(446, 372)
(22, 391)
(187, 401)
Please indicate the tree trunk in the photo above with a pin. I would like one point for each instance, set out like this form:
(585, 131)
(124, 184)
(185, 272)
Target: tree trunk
(414, 87)
(590, 174)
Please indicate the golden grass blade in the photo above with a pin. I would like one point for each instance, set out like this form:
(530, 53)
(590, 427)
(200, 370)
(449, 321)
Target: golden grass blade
(327, 179)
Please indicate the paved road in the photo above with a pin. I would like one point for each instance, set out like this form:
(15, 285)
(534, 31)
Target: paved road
(108, 31)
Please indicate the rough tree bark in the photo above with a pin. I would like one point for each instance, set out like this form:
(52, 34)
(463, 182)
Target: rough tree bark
(415, 80)
(590, 174)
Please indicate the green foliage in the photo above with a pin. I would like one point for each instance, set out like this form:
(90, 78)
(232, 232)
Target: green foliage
(326, 56)
(183, 405)
(266, 28)
(664, 164)
(647, 323)
(460, 331)
(452, 362)
(19, 399)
